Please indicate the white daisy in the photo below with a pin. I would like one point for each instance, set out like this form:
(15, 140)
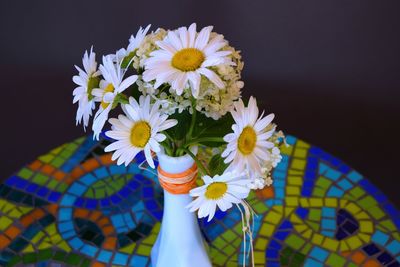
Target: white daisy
(184, 56)
(221, 190)
(110, 87)
(134, 43)
(138, 130)
(248, 146)
(87, 79)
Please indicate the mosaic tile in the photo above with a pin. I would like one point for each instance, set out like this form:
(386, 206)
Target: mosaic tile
(75, 207)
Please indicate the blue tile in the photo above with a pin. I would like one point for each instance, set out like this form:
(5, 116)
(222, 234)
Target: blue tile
(354, 176)
(380, 238)
(21, 183)
(32, 188)
(274, 244)
(315, 150)
(120, 258)
(65, 214)
(319, 254)
(368, 186)
(138, 261)
(105, 202)
(328, 224)
(88, 179)
(281, 235)
(101, 172)
(68, 200)
(291, 140)
(117, 169)
(332, 174)
(104, 256)
(345, 184)
(54, 196)
(80, 202)
(91, 203)
(66, 226)
(328, 212)
(118, 220)
(312, 263)
(43, 191)
(89, 250)
(335, 192)
(76, 243)
(115, 199)
(148, 192)
(394, 247)
(125, 192)
(302, 212)
(272, 254)
(77, 189)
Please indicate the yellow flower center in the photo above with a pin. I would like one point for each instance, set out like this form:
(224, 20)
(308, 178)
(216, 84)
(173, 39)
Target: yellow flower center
(188, 59)
(140, 134)
(108, 89)
(216, 190)
(247, 140)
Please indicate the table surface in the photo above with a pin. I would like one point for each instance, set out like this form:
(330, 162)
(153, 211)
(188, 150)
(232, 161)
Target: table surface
(75, 207)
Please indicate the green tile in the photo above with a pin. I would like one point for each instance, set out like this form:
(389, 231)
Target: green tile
(29, 258)
(25, 173)
(85, 263)
(314, 214)
(323, 182)
(60, 256)
(73, 259)
(46, 158)
(57, 162)
(45, 254)
(318, 192)
(335, 260)
(367, 202)
(294, 241)
(357, 192)
(40, 179)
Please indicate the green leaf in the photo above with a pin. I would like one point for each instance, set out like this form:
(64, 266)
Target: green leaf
(208, 127)
(179, 131)
(217, 165)
(125, 62)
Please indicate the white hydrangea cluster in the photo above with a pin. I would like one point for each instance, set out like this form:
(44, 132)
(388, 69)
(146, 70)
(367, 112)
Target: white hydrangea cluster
(215, 102)
(212, 101)
(147, 46)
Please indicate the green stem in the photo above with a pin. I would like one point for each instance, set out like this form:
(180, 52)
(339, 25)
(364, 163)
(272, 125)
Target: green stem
(198, 162)
(192, 123)
(205, 139)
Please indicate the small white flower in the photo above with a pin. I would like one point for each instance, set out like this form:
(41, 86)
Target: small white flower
(248, 146)
(138, 130)
(184, 56)
(110, 87)
(134, 43)
(86, 80)
(221, 190)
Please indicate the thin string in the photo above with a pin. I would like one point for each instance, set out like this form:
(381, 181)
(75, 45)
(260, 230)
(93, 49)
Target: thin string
(246, 217)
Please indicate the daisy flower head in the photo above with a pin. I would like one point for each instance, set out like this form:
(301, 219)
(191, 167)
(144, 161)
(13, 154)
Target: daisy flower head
(184, 56)
(126, 55)
(87, 79)
(112, 84)
(220, 190)
(249, 145)
(139, 130)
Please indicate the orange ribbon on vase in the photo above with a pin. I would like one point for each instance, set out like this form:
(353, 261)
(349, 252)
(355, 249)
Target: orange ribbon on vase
(178, 183)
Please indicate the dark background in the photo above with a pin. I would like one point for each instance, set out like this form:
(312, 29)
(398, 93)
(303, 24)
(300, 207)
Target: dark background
(328, 69)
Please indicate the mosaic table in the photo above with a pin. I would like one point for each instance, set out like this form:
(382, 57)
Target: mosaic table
(75, 207)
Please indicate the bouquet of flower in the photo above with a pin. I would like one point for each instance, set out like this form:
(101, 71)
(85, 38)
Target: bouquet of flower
(179, 89)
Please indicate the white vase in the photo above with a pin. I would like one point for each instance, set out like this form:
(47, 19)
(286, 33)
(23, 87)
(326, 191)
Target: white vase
(180, 242)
